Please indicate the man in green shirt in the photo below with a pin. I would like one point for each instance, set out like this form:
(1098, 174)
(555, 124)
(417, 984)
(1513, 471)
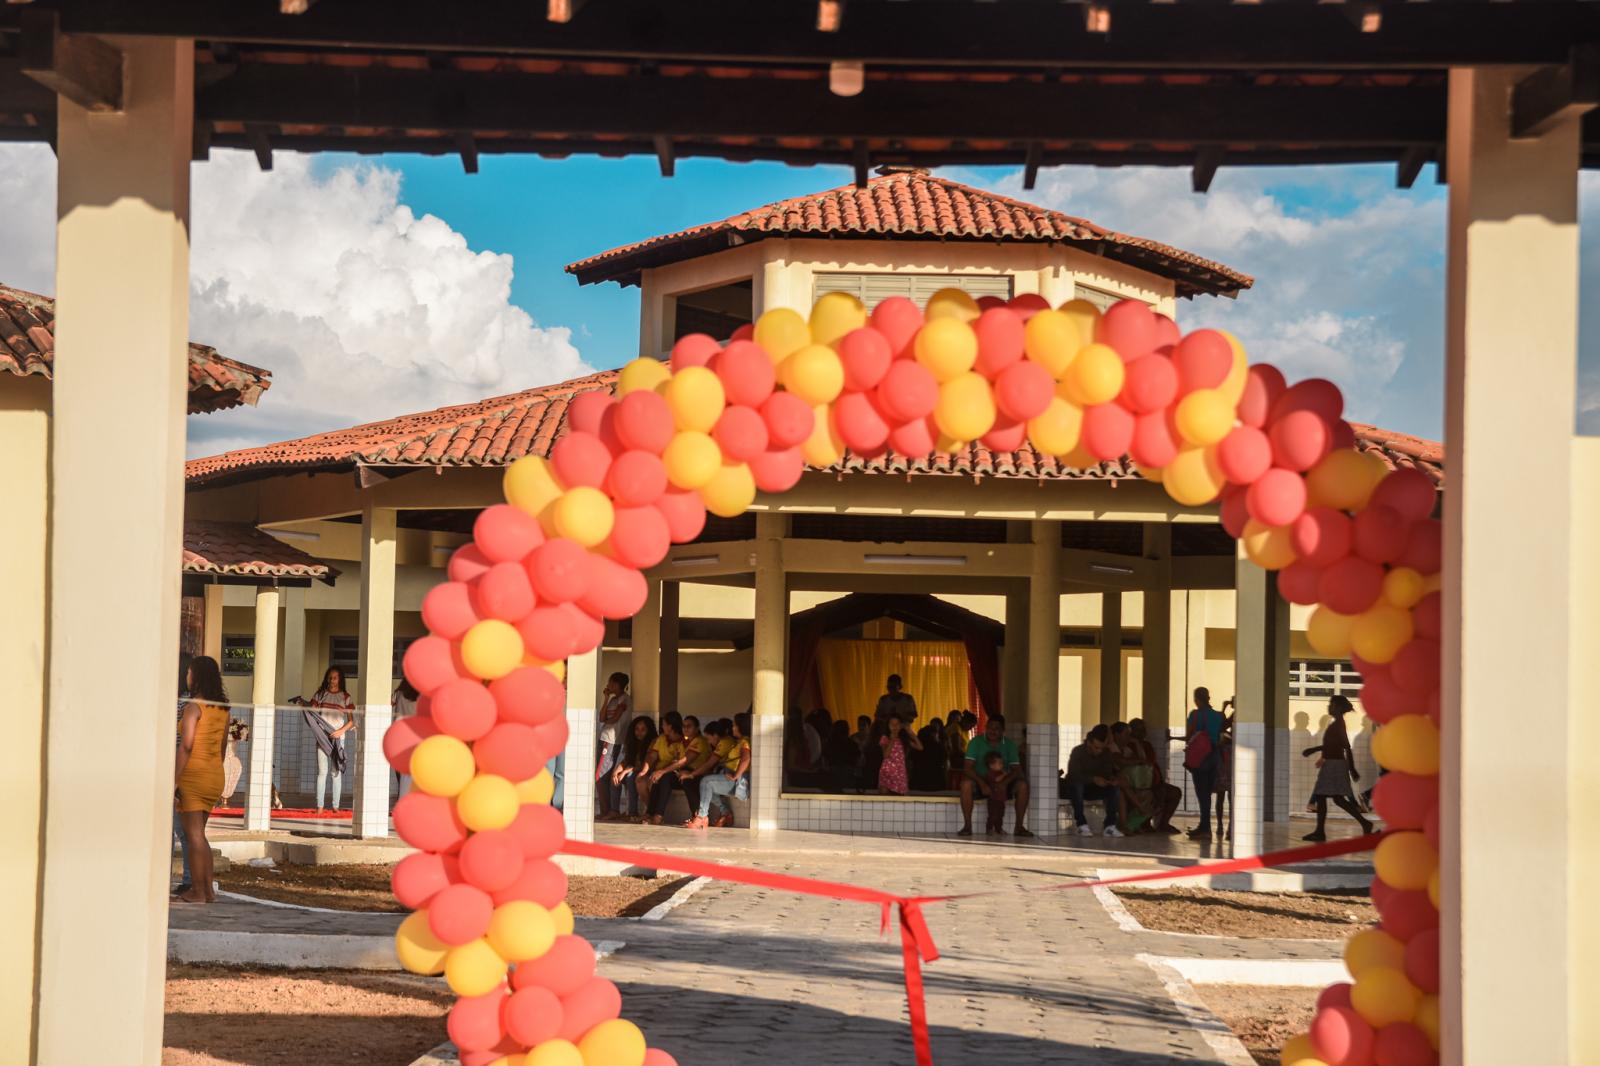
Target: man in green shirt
(1015, 782)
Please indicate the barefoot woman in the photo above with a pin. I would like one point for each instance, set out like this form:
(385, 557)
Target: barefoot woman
(202, 736)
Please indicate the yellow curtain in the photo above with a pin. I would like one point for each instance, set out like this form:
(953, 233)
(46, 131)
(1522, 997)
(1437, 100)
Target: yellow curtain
(853, 672)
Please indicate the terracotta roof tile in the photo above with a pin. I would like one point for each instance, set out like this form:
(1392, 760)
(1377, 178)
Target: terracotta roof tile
(237, 549)
(28, 346)
(915, 204)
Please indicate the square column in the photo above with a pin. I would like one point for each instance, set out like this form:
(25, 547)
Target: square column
(1043, 727)
(375, 686)
(644, 670)
(211, 641)
(667, 676)
(122, 301)
(1014, 657)
(1155, 654)
(583, 689)
(1110, 655)
(263, 712)
(1511, 341)
(770, 664)
(1261, 665)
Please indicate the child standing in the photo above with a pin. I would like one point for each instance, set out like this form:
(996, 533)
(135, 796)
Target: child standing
(994, 768)
(892, 777)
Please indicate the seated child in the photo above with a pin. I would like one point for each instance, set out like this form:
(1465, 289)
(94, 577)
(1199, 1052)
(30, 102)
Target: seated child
(994, 770)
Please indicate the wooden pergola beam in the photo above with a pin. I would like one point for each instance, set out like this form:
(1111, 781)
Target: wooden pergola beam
(1553, 95)
(83, 69)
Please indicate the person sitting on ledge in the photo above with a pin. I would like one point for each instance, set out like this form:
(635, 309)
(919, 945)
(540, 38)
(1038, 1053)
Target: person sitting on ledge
(660, 775)
(1014, 784)
(731, 779)
(1092, 774)
(699, 756)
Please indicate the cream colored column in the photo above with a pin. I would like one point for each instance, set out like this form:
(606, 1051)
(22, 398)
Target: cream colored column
(25, 442)
(583, 698)
(667, 674)
(375, 686)
(211, 642)
(1014, 661)
(122, 305)
(1155, 640)
(263, 713)
(292, 653)
(1043, 728)
(1511, 338)
(770, 662)
(1583, 770)
(1261, 659)
(644, 686)
(1110, 655)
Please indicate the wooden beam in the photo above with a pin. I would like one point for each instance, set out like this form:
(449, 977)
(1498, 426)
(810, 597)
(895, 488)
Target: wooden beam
(1411, 164)
(1030, 164)
(1551, 96)
(200, 150)
(861, 157)
(467, 146)
(666, 156)
(85, 70)
(260, 137)
(1206, 162)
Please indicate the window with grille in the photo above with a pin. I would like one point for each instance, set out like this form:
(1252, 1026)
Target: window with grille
(1316, 677)
(1101, 298)
(344, 654)
(873, 289)
(238, 656)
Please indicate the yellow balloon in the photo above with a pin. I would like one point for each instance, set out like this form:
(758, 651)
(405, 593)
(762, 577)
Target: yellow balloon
(530, 485)
(488, 802)
(442, 765)
(1232, 386)
(965, 409)
(814, 373)
(555, 1053)
(1051, 339)
(1079, 459)
(951, 302)
(417, 948)
(521, 930)
(1343, 480)
(696, 398)
(1405, 860)
(642, 375)
(1376, 747)
(1297, 1051)
(1427, 1019)
(473, 968)
(1204, 417)
(509, 1060)
(561, 915)
(1433, 891)
(834, 315)
(1329, 632)
(1094, 376)
(945, 444)
(947, 347)
(1084, 315)
(1056, 430)
(1403, 587)
(1269, 547)
(1152, 474)
(1380, 631)
(1384, 996)
(731, 491)
(824, 447)
(781, 331)
(617, 1042)
(536, 789)
(1373, 949)
(583, 514)
(1193, 477)
(1410, 744)
(491, 649)
(558, 668)
(692, 459)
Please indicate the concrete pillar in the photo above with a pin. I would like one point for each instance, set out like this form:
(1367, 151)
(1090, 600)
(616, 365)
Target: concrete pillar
(375, 686)
(24, 521)
(1155, 655)
(1583, 770)
(292, 652)
(1043, 726)
(263, 712)
(770, 663)
(667, 676)
(1511, 337)
(583, 697)
(1014, 656)
(122, 301)
(1110, 655)
(644, 672)
(1261, 664)
(211, 643)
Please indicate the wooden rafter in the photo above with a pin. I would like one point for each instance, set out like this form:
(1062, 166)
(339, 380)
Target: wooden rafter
(83, 69)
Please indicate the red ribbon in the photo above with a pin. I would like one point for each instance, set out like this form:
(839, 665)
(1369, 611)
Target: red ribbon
(916, 942)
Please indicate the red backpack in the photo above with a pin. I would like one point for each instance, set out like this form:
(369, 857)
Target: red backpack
(1199, 750)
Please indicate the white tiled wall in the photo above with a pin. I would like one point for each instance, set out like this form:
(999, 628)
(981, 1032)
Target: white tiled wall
(372, 772)
(257, 775)
(578, 783)
(1249, 769)
(766, 774)
(1044, 764)
(930, 816)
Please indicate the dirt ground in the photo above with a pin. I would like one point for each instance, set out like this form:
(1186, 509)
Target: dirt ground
(365, 887)
(219, 1016)
(1286, 915)
(1262, 1018)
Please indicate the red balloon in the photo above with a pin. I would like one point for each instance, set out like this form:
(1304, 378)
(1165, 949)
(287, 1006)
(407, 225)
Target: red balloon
(596, 1000)
(1005, 435)
(420, 876)
(1405, 914)
(1430, 824)
(1409, 491)
(539, 881)
(695, 349)
(552, 737)
(908, 391)
(1425, 548)
(1234, 512)
(1028, 304)
(1344, 437)
(1404, 800)
(1167, 332)
(539, 829)
(1299, 440)
(430, 663)
(1130, 328)
(1427, 617)
(467, 562)
(914, 439)
(685, 513)
(474, 1022)
(402, 737)
(491, 859)
(743, 333)
(1342, 1037)
(504, 592)
(860, 425)
(636, 479)
(1277, 498)
(1351, 585)
(460, 913)
(505, 533)
(866, 357)
(741, 433)
(612, 590)
(1380, 534)
(1262, 386)
(776, 471)
(1321, 536)
(1335, 995)
(464, 709)
(789, 421)
(1107, 430)
(529, 695)
(1403, 1044)
(1381, 698)
(564, 969)
(1151, 384)
(1422, 960)
(547, 633)
(1314, 394)
(898, 319)
(428, 823)
(640, 538)
(1380, 890)
(581, 459)
(533, 1015)
(1416, 667)
(986, 303)
(1244, 455)
(644, 421)
(559, 569)
(1153, 443)
(1203, 360)
(587, 631)
(999, 333)
(586, 410)
(654, 1056)
(495, 1054)
(746, 373)
(1298, 582)
(512, 750)
(1023, 390)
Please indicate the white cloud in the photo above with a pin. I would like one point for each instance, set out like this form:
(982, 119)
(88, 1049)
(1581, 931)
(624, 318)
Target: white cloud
(361, 309)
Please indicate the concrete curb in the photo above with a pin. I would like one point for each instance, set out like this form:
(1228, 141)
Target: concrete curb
(1252, 881)
(1282, 973)
(299, 951)
(1230, 1051)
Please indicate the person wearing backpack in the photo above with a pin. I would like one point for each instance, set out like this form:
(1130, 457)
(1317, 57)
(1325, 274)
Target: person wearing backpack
(1202, 756)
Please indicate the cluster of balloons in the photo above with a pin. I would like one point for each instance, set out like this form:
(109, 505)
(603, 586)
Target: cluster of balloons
(638, 472)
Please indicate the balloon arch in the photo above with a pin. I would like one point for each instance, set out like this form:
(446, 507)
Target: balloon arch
(638, 473)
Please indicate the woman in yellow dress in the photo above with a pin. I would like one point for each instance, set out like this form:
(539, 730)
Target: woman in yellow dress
(202, 739)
